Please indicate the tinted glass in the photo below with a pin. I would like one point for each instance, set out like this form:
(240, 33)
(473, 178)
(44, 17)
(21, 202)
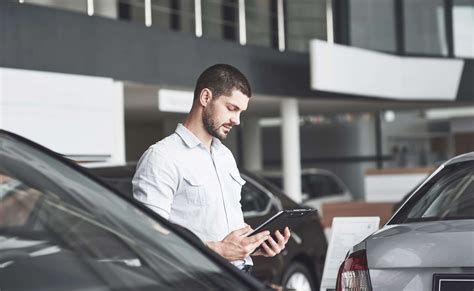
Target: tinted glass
(66, 232)
(220, 19)
(424, 25)
(76, 6)
(372, 24)
(334, 186)
(318, 185)
(304, 20)
(450, 197)
(313, 185)
(253, 199)
(260, 22)
(277, 181)
(463, 31)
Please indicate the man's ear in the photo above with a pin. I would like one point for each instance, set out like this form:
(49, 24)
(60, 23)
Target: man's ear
(205, 97)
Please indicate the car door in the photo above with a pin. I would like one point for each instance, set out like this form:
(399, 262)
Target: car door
(258, 204)
(62, 229)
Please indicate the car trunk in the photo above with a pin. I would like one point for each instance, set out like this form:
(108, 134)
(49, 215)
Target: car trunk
(407, 256)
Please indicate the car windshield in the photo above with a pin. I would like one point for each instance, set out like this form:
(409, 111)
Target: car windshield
(450, 196)
(61, 230)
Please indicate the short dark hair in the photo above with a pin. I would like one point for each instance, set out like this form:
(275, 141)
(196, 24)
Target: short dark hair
(222, 79)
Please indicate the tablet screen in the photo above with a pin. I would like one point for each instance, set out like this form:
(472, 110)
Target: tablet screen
(283, 218)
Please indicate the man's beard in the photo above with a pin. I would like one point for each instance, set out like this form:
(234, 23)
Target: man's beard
(210, 125)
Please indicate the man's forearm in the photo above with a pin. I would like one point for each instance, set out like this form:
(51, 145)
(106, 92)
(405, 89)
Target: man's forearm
(215, 246)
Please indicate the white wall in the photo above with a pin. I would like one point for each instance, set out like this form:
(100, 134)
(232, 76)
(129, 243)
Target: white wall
(70, 114)
(343, 69)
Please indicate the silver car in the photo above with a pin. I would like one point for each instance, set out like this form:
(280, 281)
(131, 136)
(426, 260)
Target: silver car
(427, 245)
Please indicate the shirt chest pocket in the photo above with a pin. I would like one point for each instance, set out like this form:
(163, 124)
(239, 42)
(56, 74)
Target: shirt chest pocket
(194, 190)
(235, 184)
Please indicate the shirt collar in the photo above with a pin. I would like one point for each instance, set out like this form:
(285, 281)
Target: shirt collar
(216, 143)
(191, 140)
(187, 136)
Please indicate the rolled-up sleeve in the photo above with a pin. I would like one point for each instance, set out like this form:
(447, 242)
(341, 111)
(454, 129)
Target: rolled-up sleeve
(156, 181)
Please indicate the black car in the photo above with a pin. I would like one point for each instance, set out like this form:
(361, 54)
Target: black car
(299, 267)
(63, 229)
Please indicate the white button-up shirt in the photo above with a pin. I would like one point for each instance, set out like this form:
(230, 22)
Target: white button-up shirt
(182, 181)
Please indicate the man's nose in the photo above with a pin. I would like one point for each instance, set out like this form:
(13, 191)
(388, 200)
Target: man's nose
(235, 119)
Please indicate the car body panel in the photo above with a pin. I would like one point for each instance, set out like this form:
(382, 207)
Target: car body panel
(426, 237)
(422, 245)
(307, 245)
(410, 279)
(61, 222)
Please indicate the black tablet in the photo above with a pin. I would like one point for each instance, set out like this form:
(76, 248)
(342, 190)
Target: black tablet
(283, 218)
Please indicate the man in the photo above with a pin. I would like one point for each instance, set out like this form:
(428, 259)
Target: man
(192, 179)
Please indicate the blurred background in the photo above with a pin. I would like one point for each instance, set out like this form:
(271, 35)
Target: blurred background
(370, 90)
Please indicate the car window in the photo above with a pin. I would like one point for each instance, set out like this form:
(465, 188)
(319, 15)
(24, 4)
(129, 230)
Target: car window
(277, 181)
(319, 185)
(253, 199)
(67, 232)
(313, 185)
(451, 196)
(334, 186)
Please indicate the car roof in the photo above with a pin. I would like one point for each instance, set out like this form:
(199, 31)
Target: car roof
(304, 171)
(461, 158)
(124, 171)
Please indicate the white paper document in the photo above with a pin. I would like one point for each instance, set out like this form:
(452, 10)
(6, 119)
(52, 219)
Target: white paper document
(346, 232)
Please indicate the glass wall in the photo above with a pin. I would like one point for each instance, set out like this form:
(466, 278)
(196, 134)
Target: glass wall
(183, 11)
(433, 28)
(304, 20)
(407, 27)
(220, 19)
(372, 24)
(73, 5)
(132, 10)
(261, 21)
(463, 28)
(162, 14)
(167, 15)
(424, 27)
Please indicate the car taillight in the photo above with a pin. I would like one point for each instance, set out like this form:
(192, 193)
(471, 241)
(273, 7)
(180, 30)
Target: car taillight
(353, 274)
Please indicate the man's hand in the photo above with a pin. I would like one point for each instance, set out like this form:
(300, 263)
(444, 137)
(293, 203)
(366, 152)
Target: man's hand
(270, 247)
(236, 245)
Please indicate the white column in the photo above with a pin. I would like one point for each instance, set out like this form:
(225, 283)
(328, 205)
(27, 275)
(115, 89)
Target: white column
(252, 144)
(148, 20)
(329, 22)
(290, 134)
(281, 25)
(118, 154)
(198, 18)
(90, 7)
(242, 23)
